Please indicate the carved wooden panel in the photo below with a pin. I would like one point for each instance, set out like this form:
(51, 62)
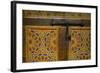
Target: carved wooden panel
(79, 46)
(43, 43)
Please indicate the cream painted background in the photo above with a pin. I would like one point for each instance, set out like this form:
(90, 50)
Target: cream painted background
(5, 36)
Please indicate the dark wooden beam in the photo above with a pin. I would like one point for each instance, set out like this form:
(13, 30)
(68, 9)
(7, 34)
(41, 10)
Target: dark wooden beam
(61, 22)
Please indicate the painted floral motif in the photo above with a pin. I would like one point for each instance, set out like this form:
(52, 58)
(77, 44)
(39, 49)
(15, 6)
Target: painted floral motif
(41, 44)
(79, 46)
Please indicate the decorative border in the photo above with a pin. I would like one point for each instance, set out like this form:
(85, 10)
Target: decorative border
(13, 34)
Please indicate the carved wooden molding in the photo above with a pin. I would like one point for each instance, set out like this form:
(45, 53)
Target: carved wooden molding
(55, 15)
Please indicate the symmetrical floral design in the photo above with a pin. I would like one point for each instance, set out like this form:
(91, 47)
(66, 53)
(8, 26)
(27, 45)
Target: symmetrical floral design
(50, 43)
(41, 43)
(79, 46)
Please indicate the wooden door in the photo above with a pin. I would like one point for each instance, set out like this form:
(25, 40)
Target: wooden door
(79, 45)
(43, 43)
